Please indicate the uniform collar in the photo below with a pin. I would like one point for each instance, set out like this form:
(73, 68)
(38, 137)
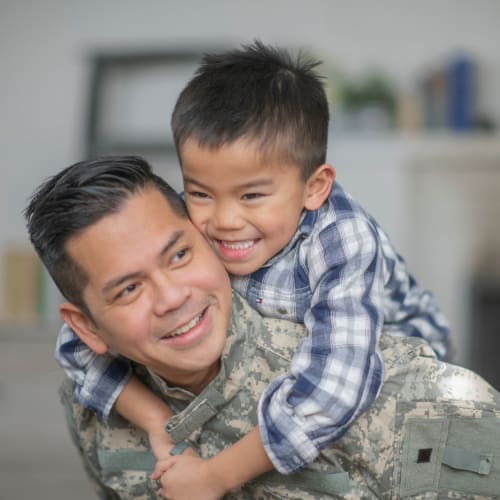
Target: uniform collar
(235, 366)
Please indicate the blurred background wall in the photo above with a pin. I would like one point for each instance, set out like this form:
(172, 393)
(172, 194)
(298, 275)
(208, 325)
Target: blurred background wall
(414, 89)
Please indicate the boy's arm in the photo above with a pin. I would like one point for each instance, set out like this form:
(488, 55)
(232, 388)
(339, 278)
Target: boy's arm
(99, 378)
(337, 370)
(244, 460)
(143, 408)
(211, 479)
(105, 381)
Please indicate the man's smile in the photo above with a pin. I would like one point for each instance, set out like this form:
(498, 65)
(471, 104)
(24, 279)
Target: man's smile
(189, 333)
(186, 327)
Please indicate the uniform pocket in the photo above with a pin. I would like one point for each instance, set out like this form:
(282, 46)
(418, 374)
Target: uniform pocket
(451, 454)
(471, 461)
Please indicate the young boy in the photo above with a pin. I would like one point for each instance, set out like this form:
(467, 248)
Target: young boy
(251, 133)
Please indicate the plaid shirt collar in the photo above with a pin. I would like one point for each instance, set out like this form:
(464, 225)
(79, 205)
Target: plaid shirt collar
(306, 224)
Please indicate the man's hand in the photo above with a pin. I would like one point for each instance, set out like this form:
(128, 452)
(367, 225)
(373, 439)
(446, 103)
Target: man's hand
(187, 477)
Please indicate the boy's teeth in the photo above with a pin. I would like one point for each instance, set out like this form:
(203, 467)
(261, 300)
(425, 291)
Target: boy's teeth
(186, 327)
(237, 245)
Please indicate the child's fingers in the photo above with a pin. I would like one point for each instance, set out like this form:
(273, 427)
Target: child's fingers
(161, 467)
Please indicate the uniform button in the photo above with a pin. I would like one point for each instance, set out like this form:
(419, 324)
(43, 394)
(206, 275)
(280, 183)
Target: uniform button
(282, 310)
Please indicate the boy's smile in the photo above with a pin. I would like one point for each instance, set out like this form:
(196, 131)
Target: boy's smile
(235, 250)
(247, 206)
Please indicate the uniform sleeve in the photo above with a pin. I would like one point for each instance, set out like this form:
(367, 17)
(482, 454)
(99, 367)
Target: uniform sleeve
(99, 378)
(337, 370)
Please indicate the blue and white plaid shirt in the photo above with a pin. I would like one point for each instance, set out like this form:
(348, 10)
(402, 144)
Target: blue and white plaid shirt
(343, 279)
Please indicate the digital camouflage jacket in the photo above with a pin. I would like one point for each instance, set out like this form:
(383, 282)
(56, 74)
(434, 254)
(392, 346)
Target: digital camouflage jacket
(432, 433)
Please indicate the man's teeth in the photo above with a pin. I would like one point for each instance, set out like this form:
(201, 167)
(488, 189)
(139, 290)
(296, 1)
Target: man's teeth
(187, 326)
(237, 245)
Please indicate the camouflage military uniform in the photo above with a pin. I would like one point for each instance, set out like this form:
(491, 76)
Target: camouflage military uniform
(432, 433)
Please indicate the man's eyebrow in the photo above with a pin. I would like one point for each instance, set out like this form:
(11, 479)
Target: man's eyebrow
(113, 283)
(264, 181)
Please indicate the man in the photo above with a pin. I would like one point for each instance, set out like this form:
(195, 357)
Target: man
(141, 281)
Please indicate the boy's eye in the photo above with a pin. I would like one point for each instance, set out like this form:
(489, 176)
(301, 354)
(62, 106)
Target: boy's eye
(198, 194)
(252, 196)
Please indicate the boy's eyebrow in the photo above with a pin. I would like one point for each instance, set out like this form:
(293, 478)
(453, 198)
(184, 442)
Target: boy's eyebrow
(113, 283)
(264, 181)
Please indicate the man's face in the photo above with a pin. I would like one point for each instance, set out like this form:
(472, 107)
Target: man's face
(248, 208)
(157, 293)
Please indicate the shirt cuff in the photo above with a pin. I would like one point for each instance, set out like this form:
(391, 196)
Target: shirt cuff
(289, 448)
(100, 394)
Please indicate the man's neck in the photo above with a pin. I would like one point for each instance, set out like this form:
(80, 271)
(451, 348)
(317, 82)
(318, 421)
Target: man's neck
(195, 383)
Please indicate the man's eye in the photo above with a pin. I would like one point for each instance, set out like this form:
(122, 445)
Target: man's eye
(181, 255)
(127, 290)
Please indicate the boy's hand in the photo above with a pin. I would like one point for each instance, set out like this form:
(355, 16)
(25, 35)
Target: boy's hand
(187, 477)
(161, 443)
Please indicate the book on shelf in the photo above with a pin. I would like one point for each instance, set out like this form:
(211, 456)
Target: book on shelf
(22, 285)
(449, 96)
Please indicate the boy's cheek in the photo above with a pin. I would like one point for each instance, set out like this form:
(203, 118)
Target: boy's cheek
(199, 221)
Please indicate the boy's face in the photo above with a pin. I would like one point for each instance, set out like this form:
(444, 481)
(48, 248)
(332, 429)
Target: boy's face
(157, 292)
(247, 208)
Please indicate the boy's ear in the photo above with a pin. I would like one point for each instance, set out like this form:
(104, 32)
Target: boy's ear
(318, 186)
(83, 326)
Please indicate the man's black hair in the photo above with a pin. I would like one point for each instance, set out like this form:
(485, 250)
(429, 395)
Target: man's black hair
(261, 94)
(77, 197)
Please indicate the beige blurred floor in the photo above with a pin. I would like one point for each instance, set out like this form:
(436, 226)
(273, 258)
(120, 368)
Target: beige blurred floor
(37, 458)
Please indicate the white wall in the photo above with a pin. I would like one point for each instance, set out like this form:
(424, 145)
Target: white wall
(43, 48)
(44, 66)
(438, 197)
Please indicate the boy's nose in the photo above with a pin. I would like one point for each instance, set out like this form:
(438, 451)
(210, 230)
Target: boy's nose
(227, 216)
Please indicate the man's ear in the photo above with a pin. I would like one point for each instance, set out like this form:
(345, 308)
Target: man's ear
(318, 186)
(83, 326)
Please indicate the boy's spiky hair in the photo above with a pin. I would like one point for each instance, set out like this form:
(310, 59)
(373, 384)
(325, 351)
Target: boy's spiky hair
(261, 94)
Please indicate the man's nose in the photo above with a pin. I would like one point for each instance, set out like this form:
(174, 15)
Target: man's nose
(169, 294)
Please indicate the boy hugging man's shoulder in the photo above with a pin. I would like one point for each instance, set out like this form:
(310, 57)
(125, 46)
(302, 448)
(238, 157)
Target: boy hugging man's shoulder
(251, 131)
